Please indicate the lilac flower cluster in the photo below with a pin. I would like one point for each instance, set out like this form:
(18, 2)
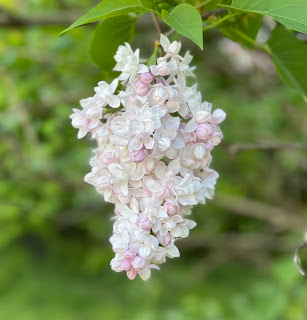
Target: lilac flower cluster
(154, 137)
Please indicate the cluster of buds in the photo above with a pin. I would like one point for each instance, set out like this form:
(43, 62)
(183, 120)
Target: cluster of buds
(155, 137)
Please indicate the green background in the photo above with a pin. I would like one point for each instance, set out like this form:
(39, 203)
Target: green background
(54, 228)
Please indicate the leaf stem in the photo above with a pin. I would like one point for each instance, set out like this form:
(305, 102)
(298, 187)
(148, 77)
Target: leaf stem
(156, 22)
(202, 4)
(213, 25)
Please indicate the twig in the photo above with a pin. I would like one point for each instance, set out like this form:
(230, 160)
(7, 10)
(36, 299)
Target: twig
(156, 22)
(215, 12)
(237, 241)
(278, 217)
(58, 18)
(237, 147)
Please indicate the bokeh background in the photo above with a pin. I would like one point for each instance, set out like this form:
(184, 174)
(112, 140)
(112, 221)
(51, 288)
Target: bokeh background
(54, 228)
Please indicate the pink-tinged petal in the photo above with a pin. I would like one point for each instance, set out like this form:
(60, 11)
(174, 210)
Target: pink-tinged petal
(163, 230)
(135, 144)
(153, 266)
(131, 274)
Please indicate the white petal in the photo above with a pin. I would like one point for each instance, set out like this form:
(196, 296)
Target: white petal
(165, 43)
(135, 144)
(191, 125)
(114, 85)
(114, 102)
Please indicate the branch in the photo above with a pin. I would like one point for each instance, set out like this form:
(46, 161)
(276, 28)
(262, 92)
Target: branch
(58, 18)
(233, 149)
(239, 242)
(156, 22)
(278, 217)
(215, 12)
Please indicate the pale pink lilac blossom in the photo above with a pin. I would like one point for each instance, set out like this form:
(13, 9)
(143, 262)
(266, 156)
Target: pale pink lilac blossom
(155, 137)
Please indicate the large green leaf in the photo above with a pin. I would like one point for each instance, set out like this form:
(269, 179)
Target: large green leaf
(108, 9)
(290, 58)
(291, 13)
(186, 20)
(243, 28)
(109, 34)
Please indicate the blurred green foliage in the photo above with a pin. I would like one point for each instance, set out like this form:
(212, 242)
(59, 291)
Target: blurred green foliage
(54, 248)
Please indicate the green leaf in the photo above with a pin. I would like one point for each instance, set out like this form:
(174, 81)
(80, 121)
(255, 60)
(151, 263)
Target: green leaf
(243, 28)
(150, 5)
(290, 57)
(153, 58)
(186, 20)
(291, 13)
(109, 34)
(108, 9)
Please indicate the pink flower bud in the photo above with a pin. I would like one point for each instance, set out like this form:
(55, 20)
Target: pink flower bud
(166, 240)
(170, 208)
(141, 88)
(137, 155)
(131, 274)
(129, 254)
(203, 131)
(147, 77)
(126, 265)
(216, 137)
(138, 263)
(145, 223)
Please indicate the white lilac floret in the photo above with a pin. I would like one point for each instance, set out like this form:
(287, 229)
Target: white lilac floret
(155, 138)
